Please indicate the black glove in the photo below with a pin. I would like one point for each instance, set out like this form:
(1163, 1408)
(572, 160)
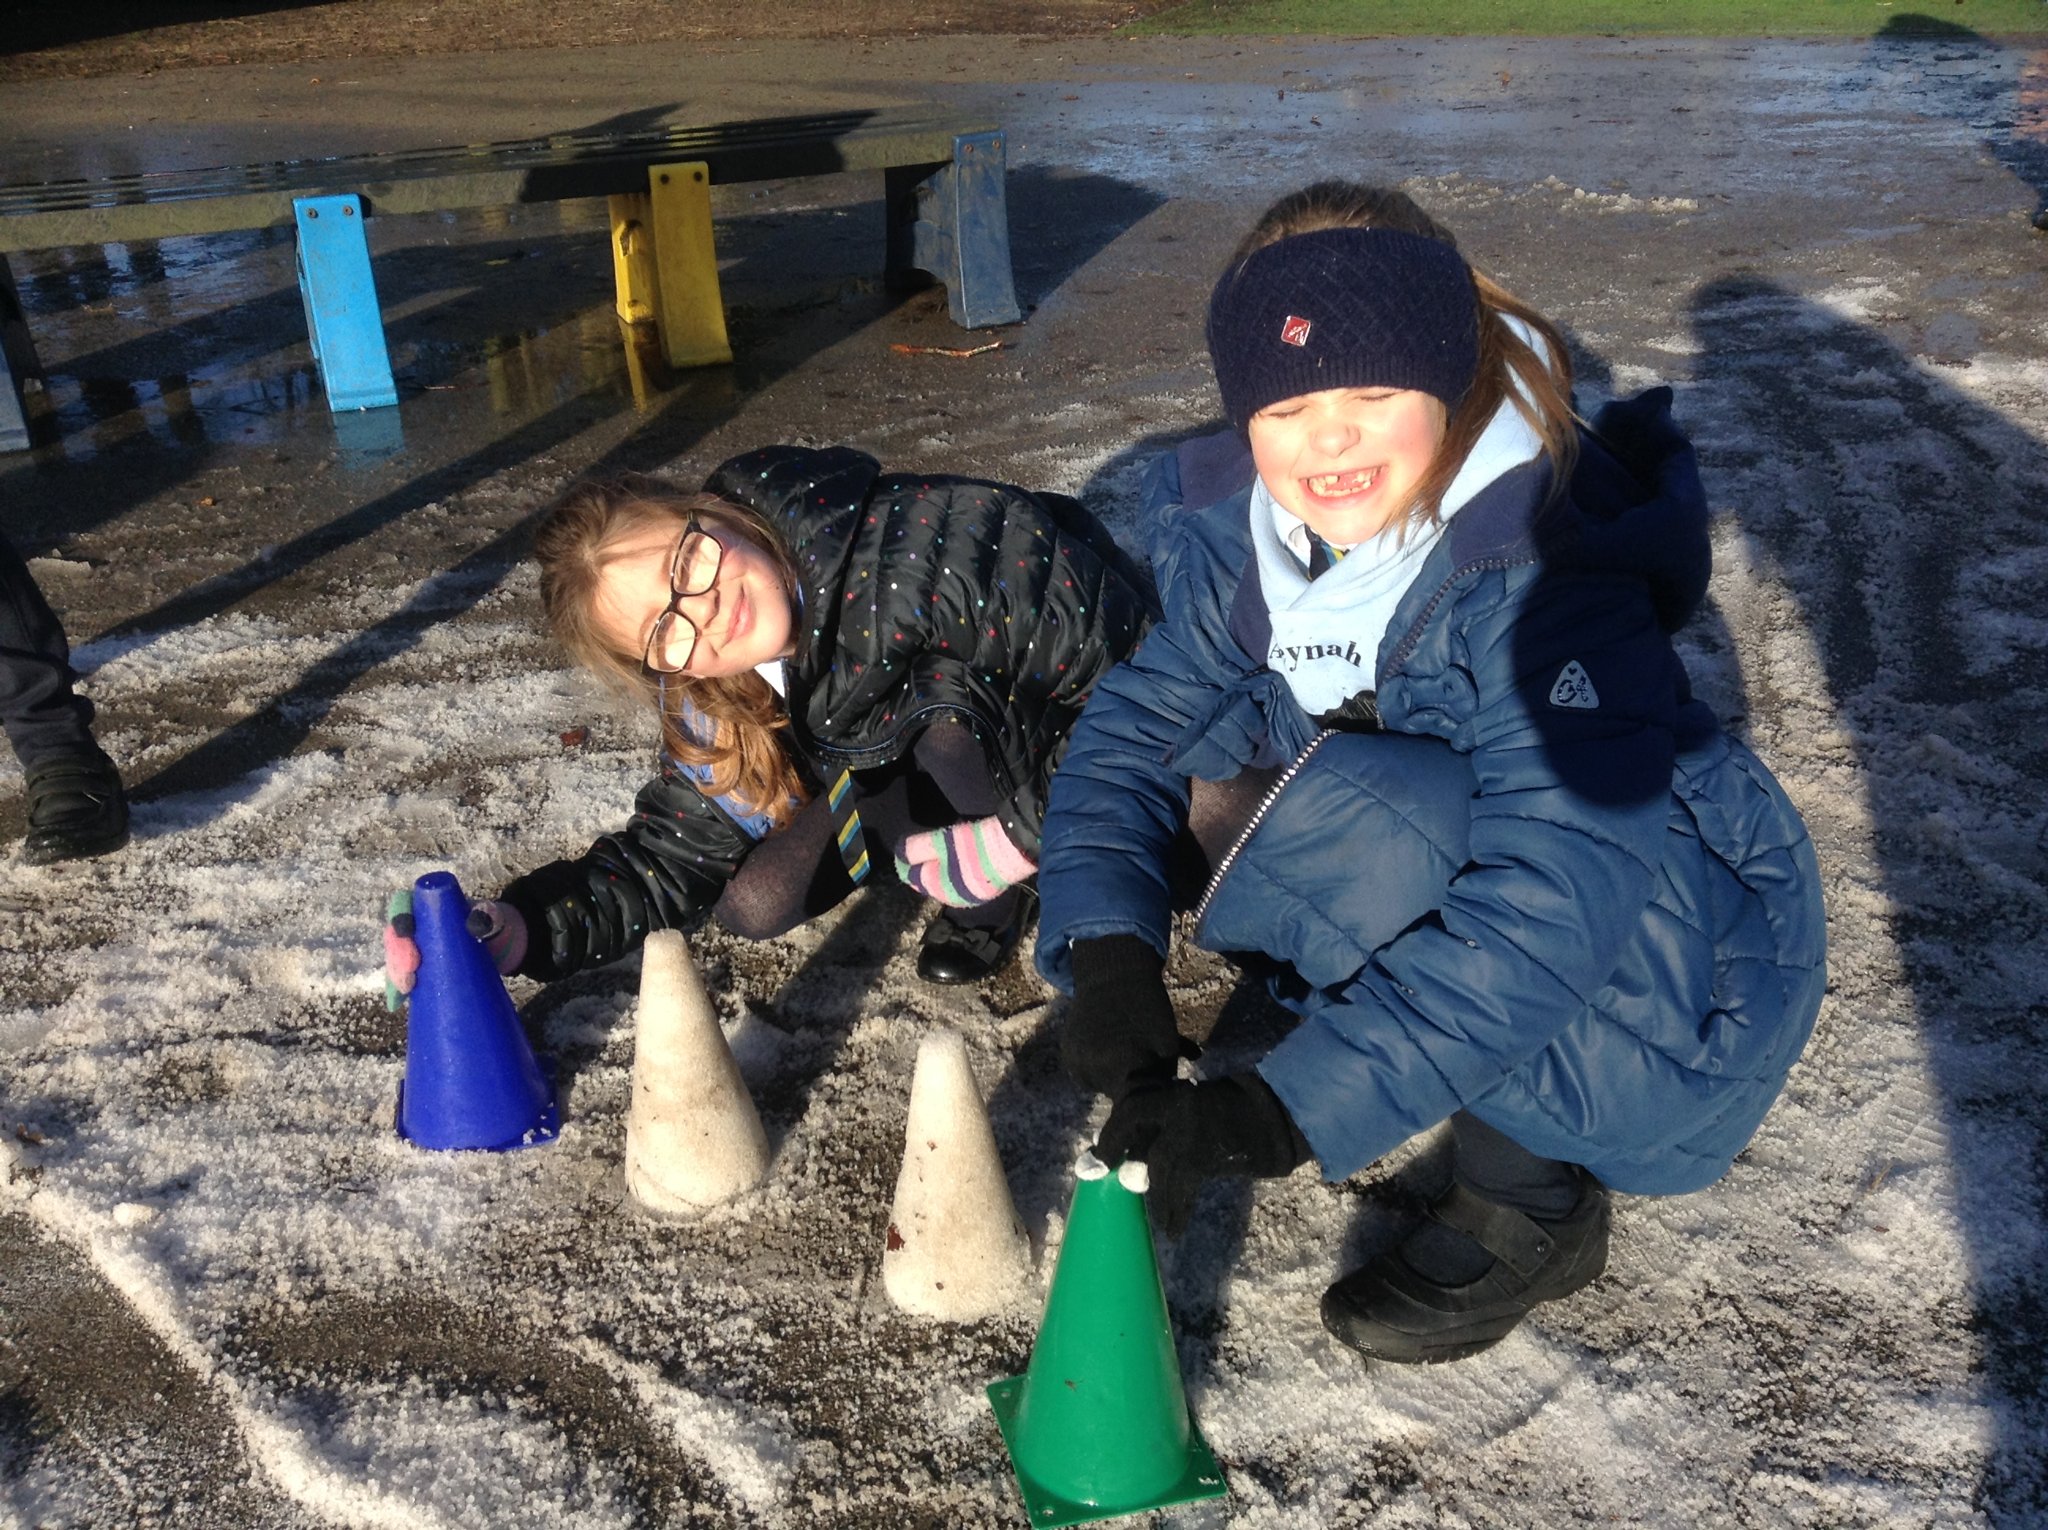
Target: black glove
(1119, 1031)
(1186, 1133)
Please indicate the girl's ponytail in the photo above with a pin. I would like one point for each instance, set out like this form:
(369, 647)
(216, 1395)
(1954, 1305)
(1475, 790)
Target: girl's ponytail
(1537, 382)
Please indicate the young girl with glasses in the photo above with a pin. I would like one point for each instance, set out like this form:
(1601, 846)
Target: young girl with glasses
(1510, 872)
(857, 674)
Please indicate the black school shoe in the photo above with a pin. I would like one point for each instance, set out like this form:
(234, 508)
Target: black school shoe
(956, 953)
(1389, 1310)
(76, 808)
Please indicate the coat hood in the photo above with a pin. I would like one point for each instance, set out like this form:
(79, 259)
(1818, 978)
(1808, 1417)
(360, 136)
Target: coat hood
(1635, 506)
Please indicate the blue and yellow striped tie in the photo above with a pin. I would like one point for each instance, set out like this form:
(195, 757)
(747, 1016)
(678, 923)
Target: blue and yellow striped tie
(853, 849)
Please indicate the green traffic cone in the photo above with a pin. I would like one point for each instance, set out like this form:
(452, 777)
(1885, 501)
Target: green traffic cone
(1098, 1424)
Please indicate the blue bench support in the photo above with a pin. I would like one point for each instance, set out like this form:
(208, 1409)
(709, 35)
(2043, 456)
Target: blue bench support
(340, 294)
(953, 223)
(17, 364)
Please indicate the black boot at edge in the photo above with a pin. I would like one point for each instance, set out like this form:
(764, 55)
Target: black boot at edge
(76, 808)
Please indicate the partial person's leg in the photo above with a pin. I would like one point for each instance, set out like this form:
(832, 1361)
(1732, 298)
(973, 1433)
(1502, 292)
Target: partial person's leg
(1218, 814)
(793, 875)
(1499, 1170)
(797, 873)
(76, 806)
(41, 713)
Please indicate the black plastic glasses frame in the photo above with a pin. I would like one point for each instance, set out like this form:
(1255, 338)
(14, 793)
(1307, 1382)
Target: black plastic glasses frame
(664, 624)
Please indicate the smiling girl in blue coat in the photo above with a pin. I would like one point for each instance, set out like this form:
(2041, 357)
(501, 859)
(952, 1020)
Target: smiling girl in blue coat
(1513, 875)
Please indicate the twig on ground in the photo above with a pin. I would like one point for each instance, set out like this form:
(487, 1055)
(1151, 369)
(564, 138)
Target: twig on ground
(946, 350)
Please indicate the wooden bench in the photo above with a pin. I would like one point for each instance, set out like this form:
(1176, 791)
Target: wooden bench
(946, 218)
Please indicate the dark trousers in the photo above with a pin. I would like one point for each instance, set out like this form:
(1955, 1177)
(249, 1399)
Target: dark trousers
(1499, 1169)
(43, 717)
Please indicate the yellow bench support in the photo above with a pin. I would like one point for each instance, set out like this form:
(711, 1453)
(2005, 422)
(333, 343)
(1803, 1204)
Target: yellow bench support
(665, 265)
(688, 306)
(633, 267)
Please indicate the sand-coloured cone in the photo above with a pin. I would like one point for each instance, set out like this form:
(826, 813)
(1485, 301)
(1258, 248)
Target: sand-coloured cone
(471, 1080)
(693, 1137)
(956, 1250)
(1098, 1424)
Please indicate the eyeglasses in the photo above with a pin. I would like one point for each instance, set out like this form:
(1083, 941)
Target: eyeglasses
(692, 571)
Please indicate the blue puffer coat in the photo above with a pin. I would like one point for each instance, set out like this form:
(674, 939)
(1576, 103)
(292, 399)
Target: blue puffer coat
(1593, 920)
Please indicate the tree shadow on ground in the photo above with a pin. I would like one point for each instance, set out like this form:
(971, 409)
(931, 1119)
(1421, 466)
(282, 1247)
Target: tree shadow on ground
(2011, 114)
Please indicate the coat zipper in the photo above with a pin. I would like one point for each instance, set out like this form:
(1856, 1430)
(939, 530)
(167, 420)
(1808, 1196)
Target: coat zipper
(1252, 824)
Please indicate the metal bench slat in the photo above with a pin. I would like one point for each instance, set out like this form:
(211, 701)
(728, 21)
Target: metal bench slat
(156, 205)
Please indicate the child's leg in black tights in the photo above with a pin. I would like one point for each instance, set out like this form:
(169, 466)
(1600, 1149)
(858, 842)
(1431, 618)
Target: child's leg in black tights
(1491, 1164)
(793, 875)
(796, 874)
(1501, 1170)
(948, 785)
(1217, 814)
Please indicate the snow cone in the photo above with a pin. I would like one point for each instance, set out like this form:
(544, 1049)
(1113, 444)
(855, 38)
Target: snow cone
(955, 1249)
(693, 1137)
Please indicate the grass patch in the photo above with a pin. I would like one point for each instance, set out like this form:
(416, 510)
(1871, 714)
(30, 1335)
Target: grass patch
(1958, 19)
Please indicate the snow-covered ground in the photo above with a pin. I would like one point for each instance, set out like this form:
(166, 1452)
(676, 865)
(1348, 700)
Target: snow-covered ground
(234, 1297)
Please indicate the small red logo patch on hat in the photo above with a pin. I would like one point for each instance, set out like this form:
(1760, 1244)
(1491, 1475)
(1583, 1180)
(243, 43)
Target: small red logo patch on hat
(1295, 331)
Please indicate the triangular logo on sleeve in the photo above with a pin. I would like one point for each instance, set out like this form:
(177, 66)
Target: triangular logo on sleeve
(1574, 688)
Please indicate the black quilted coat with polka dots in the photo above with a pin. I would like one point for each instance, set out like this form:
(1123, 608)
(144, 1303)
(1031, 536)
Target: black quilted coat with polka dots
(924, 598)
(927, 598)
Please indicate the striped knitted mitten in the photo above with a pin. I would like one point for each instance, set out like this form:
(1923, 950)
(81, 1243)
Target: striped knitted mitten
(965, 864)
(500, 926)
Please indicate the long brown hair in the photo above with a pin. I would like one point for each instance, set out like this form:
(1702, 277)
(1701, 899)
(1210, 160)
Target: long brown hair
(1543, 397)
(577, 540)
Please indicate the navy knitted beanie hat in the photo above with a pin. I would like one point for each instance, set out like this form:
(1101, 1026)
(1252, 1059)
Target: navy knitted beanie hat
(1344, 308)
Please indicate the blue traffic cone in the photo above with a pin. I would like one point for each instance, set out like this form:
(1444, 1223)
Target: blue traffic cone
(471, 1080)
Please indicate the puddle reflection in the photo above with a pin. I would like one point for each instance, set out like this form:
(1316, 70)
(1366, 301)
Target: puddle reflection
(277, 398)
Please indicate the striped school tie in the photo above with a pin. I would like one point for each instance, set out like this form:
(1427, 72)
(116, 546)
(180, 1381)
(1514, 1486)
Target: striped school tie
(1321, 555)
(853, 849)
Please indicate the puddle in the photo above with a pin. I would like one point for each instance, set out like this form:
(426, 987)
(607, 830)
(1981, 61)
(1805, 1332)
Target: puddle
(274, 396)
(496, 316)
